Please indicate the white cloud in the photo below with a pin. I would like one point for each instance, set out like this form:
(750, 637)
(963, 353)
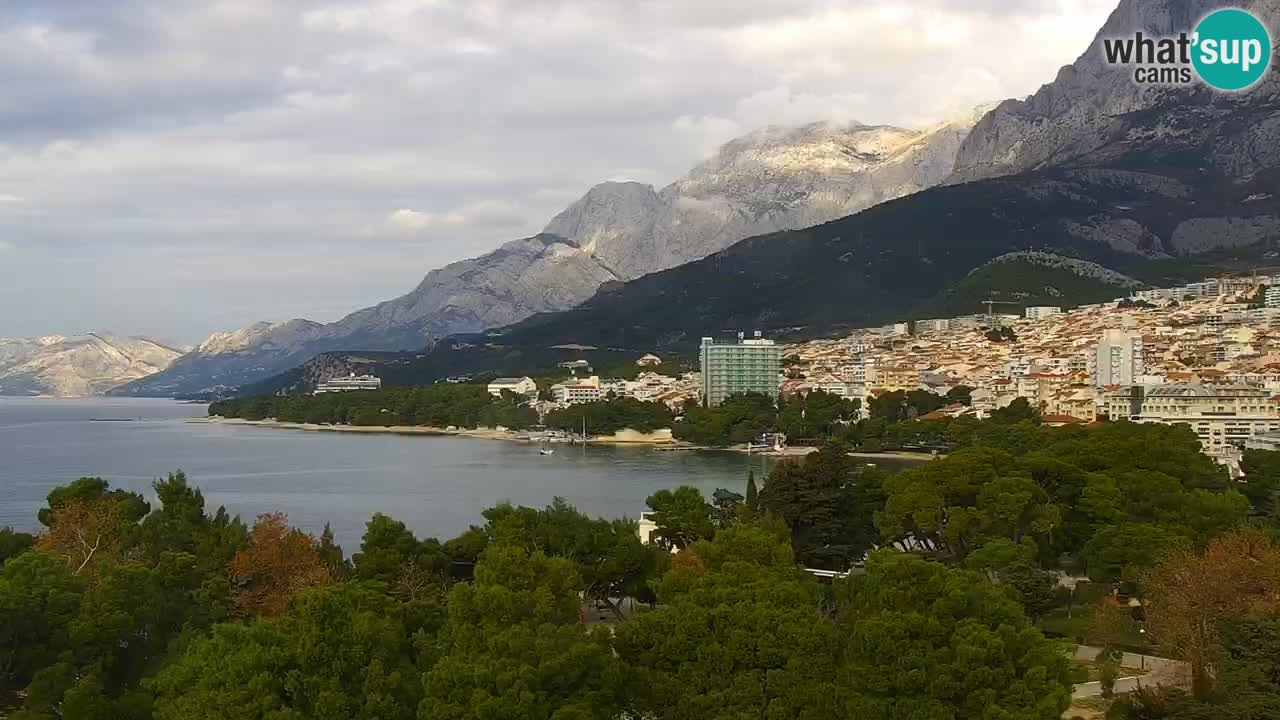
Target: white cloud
(483, 214)
(416, 220)
(187, 140)
(10, 199)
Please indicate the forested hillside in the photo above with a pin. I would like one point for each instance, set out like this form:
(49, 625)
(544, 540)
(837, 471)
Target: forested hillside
(120, 610)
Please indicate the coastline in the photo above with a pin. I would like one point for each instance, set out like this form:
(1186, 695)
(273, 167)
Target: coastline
(478, 433)
(660, 442)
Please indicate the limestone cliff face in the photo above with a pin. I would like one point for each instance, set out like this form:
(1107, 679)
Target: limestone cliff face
(78, 366)
(774, 179)
(1093, 108)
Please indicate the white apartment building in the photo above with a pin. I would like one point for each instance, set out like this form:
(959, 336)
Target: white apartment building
(349, 383)
(577, 390)
(935, 325)
(1224, 417)
(1273, 296)
(1118, 358)
(520, 386)
(1040, 312)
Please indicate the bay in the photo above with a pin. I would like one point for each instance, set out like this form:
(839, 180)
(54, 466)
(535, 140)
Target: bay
(436, 485)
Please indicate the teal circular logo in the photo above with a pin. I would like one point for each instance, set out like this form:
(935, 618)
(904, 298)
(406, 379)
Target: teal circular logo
(1231, 49)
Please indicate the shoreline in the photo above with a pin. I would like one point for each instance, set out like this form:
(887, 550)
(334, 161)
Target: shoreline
(523, 437)
(425, 430)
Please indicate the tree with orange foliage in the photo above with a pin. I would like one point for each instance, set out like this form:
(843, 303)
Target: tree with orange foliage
(1192, 594)
(85, 532)
(279, 563)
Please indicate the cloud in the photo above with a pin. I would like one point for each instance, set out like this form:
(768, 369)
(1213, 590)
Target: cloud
(416, 220)
(189, 141)
(10, 199)
(484, 214)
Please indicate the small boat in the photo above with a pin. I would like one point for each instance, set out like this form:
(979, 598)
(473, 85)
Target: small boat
(545, 451)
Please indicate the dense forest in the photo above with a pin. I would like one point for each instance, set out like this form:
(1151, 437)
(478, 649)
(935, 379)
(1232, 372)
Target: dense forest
(812, 418)
(441, 405)
(125, 608)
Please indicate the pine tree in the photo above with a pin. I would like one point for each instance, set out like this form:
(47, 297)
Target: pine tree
(753, 494)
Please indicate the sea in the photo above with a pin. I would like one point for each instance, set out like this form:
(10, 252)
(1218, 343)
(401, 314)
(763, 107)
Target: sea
(438, 486)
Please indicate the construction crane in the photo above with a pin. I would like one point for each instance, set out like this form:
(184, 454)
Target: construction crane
(989, 303)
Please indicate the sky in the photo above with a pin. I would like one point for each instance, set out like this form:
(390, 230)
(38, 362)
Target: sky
(176, 167)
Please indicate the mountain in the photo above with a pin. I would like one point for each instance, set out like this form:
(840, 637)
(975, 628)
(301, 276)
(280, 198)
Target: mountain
(773, 179)
(1156, 187)
(78, 366)
(1090, 104)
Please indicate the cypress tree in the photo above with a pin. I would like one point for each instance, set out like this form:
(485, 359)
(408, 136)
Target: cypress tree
(753, 494)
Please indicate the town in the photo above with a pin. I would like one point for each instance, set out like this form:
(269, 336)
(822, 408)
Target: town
(1206, 354)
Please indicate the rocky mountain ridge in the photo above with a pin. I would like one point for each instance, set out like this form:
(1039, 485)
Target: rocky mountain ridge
(773, 179)
(78, 366)
(1089, 104)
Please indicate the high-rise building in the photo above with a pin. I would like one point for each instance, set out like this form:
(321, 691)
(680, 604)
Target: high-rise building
(1040, 312)
(1272, 296)
(748, 365)
(1118, 359)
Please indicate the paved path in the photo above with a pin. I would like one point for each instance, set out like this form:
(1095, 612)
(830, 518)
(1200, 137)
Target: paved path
(1160, 671)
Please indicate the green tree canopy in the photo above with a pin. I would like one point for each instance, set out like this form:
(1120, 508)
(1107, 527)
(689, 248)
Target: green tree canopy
(926, 641)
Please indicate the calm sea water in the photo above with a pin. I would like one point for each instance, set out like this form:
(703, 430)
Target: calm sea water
(438, 486)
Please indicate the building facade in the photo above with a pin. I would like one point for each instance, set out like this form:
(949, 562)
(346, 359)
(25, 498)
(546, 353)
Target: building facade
(744, 366)
(1040, 312)
(1118, 358)
(1224, 417)
(349, 383)
(578, 390)
(520, 386)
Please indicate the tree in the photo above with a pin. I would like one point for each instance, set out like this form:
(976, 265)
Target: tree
(753, 493)
(337, 653)
(279, 563)
(962, 394)
(1262, 481)
(1019, 410)
(85, 533)
(389, 548)
(90, 489)
(1013, 566)
(39, 600)
(1126, 551)
(1191, 596)
(736, 634)
(682, 515)
(14, 543)
(815, 498)
(611, 561)
(725, 504)
(958, 504)
(514, 648)
(1247, 681)
(924, 640)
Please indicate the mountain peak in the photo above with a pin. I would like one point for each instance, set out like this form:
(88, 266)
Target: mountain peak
(772, 179)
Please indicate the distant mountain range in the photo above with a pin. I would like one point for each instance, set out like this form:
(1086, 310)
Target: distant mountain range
(78, 366)
(1155, 184)
(772, 179)
(1088, 186)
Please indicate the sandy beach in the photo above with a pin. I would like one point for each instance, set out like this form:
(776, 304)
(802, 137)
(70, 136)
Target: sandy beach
(484, 434)
(622, 439)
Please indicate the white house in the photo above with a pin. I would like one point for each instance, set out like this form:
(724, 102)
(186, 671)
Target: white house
(579, 390)
(520, 386)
